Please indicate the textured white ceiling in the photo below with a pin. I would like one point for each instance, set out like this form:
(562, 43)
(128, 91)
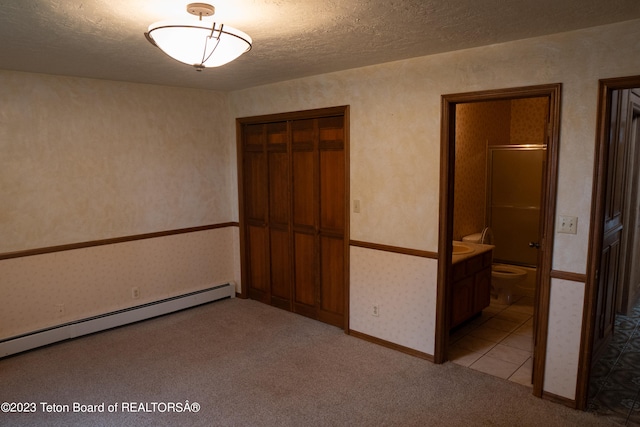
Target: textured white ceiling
(292, 38)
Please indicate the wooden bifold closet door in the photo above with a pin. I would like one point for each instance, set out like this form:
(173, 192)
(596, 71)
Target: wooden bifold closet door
(294, 201)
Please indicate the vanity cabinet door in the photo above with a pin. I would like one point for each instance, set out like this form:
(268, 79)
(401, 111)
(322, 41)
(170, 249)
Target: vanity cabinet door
(471, 288)
(482, 296)
(462, 300)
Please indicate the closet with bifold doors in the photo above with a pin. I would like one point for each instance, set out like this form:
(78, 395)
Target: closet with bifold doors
(293, 189)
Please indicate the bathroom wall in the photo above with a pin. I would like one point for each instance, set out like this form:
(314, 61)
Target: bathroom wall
(529, 118)
(395, 154)
(477, 125)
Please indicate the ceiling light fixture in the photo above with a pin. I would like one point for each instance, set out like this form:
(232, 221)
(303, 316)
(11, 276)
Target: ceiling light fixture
(199, 43)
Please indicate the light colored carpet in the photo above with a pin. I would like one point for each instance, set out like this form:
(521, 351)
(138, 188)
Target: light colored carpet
(249, 364)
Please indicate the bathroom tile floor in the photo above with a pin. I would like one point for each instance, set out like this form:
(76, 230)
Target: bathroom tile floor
(498, 342)
(614, 389)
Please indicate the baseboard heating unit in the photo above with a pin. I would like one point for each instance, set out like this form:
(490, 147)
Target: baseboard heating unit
(114, 319)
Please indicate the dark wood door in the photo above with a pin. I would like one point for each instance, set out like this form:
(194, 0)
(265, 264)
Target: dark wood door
(278, 189)
(256, 212)
(613, 225)
(629, 276)
(607, 285)
(294, 204)
(332, 219)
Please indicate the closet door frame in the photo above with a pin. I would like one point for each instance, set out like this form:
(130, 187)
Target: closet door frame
(279, 117)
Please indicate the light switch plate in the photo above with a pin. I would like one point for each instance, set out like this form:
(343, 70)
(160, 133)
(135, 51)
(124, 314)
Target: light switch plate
(568, 224)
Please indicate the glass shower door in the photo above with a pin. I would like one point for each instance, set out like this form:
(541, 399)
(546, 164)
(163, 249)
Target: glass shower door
(513, 208)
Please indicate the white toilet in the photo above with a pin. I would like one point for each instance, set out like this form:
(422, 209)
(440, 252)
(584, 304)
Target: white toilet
(504, 278)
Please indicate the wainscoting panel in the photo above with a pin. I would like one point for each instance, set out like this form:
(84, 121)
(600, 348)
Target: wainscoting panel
(43, 291)
(563, 339)
(403, 287)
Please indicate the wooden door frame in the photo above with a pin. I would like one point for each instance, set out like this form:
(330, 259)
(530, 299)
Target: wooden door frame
(447, 166)
(603, 126)
(295, 115)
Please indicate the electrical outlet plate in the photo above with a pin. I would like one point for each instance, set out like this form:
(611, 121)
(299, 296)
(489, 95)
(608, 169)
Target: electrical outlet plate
(568, 224)
(375, 310)
(135, 293)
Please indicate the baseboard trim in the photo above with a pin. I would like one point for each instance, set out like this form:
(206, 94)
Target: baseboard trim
(559, 399)
(42, 337)
(391, 345)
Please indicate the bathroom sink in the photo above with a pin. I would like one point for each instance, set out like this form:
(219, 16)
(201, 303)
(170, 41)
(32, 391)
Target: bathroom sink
(461, 248)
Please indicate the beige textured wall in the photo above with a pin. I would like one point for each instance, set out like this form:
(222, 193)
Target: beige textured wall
(86, 159)
(395, 153)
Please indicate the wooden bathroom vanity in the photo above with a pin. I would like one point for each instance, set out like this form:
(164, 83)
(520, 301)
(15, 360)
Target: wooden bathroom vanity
(471, 282)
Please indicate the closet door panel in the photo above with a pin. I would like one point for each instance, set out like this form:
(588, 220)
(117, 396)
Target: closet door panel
(304, 194)
(303, 133)
(279, 188)
(332, 191)
(255, 190)
(305, 206)
(280, 267)
(332, 275)
(294, 213)
(276, 133)
(255, 207)
(258, 263)
(253, 137)
(331, 129)
(305, 272)
(279, 220)
(304, 172)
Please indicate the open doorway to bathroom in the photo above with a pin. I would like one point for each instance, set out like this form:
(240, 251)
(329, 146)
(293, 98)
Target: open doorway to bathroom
(491, 140)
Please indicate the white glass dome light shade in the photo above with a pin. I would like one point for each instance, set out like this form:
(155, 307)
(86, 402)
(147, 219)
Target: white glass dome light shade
(201, 44)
